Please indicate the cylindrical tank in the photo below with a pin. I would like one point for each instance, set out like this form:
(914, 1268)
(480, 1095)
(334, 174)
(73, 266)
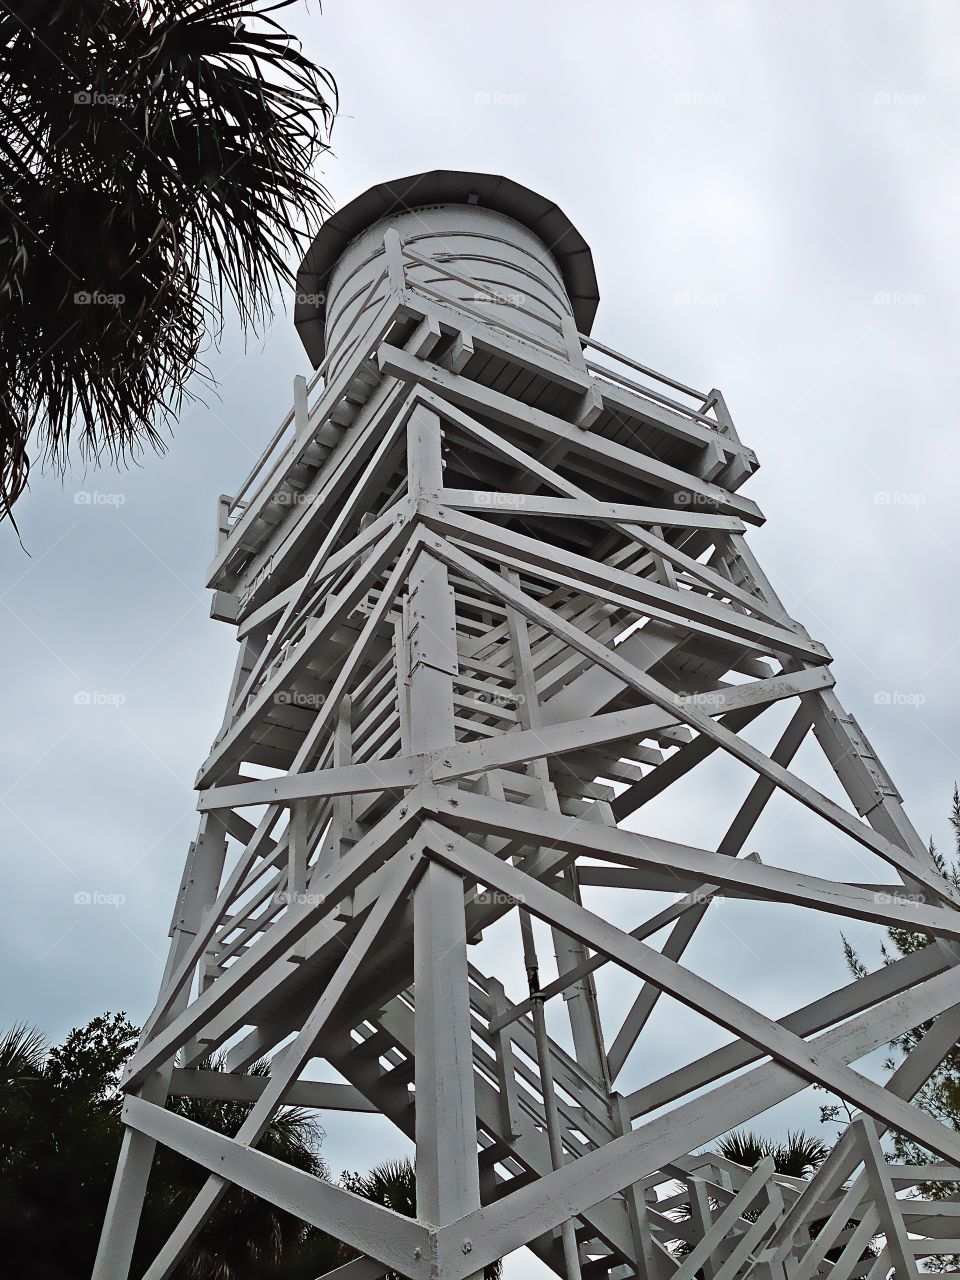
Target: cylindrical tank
(520, 260)
(513, 276)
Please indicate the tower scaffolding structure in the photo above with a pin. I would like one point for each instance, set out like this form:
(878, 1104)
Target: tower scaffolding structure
(495, 609)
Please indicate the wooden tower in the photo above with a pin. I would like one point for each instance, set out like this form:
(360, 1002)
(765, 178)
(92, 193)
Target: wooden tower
(493, 597)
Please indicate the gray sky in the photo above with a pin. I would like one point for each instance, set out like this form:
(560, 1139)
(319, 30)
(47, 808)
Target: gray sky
(770, 190)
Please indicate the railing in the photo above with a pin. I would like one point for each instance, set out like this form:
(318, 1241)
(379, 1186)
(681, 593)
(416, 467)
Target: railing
(273, 456)
(485, 317)
(240, 502)
(700, 407)
(698, 411)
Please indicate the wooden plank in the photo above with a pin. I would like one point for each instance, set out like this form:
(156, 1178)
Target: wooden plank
(502, 408)
(696, 992)
(663, 697)
(390, 1237)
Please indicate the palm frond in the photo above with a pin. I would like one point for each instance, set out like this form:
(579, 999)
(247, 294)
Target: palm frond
(744, 1147)
(801, 1154)
(23, 1050)
(156, 161)
(393, 1184)
(796, 1157)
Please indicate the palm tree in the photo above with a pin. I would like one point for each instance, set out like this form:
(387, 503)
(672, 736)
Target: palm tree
(22, 1054)
(798, 1156)
(60, 1133)
(246, 1238)
(59, 1137)
(155, 161)
(394, 1185)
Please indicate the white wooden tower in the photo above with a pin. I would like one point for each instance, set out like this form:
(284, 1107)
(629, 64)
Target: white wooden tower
(494, 597)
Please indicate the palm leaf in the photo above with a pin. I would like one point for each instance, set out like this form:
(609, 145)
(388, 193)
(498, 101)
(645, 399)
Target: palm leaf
(393, 1184)
(156, 161)
(23, 1050)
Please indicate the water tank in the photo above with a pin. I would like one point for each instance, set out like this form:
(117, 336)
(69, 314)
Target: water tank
(520, 260)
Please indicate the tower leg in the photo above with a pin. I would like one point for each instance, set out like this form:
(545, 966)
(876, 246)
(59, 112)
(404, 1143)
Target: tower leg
(448, 1184)
(127, 1194)
(198, 889)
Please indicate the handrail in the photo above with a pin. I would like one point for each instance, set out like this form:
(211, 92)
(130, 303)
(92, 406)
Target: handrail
(651, 393)
(287, 422)
(357, 314)
(611, 375)
(523, 334)
(311, 386)
(240, 503)
(588, 341)
(236, 500)
(478, 288)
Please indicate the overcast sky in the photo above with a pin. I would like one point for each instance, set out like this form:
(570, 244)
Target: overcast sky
(770, 190)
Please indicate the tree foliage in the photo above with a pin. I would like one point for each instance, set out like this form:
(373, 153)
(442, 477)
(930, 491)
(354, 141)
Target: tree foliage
(797, 1156)
(940, 1095)
(59, 1141)
(60, 1134)
(155, 160)
(393, 1184)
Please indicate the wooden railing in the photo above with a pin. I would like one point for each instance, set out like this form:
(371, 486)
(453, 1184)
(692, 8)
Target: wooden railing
(697, 406)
